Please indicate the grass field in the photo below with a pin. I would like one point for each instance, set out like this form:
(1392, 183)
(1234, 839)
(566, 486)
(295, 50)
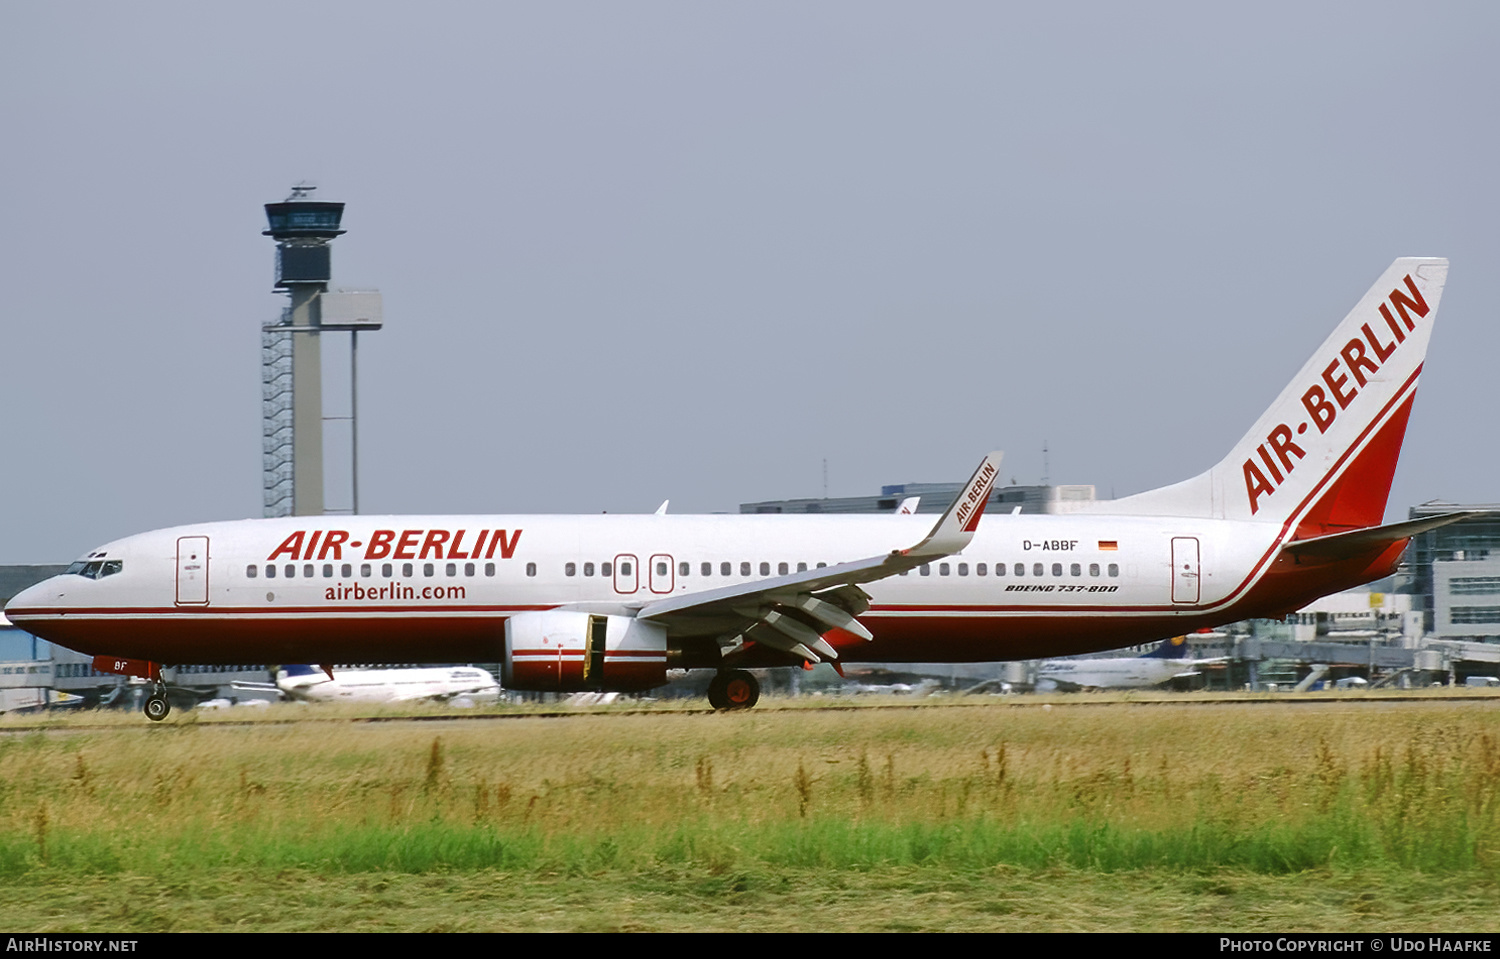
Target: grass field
(1351, 817)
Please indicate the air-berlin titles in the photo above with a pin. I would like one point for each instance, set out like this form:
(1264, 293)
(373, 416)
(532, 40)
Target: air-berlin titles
(968, 517)
(406, 544)
(1279, 447)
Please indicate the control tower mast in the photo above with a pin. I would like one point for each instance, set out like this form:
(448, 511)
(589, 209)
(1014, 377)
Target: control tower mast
(291, 358)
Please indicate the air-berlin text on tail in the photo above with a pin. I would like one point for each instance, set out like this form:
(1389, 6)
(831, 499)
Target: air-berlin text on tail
(399, 544)
(1343, 379)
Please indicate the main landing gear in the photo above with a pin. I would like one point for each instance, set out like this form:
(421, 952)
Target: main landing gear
(733, 689)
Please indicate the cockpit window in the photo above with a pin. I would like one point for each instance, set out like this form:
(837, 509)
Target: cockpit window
(95, 568)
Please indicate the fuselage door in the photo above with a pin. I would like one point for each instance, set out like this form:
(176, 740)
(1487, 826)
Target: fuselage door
(1185, 569)
(627, 577)
(192, 571)
(661, 573)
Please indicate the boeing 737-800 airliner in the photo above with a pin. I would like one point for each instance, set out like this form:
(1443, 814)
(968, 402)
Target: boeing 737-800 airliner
(614, 602)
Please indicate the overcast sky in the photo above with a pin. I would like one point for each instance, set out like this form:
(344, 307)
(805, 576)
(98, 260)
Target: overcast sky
(632, 251)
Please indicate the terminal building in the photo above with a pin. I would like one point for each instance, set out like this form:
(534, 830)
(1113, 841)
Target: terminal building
(934, 498)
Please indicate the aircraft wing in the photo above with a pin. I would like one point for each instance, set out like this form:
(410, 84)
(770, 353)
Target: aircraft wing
(792, 612)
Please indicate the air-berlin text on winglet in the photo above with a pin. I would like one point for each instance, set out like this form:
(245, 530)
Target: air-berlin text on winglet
(978, 494)
(404, 544)
(1279, 447)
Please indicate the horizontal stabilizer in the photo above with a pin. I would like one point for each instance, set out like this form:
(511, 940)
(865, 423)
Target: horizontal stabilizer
(1337, 545)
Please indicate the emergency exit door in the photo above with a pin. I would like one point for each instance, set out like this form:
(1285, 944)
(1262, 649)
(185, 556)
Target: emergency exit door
(1185, 570)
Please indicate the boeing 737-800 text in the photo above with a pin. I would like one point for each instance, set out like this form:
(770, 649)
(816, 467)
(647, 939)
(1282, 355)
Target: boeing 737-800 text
(566, 603)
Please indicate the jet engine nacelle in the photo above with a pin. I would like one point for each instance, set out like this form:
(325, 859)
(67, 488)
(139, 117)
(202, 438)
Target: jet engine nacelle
(567, 651)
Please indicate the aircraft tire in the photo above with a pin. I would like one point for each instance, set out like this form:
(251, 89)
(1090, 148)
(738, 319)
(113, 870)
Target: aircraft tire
(716, 697)
(741, 690)
(157, 708)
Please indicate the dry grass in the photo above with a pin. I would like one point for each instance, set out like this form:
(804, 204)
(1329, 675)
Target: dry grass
(951, 808)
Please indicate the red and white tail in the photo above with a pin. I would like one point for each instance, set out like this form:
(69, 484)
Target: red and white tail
(1321, 458)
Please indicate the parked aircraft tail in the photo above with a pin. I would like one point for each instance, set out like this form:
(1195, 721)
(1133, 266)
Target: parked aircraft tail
(1174, 648)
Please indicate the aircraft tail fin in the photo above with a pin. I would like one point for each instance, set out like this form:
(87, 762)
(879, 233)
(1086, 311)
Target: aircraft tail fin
(1322, 456)
(1174, 648)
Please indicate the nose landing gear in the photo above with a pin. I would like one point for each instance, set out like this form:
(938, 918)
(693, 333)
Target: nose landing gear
(157, 707)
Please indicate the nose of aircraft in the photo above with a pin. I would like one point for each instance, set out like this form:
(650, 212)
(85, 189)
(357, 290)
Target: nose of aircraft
(49, 593)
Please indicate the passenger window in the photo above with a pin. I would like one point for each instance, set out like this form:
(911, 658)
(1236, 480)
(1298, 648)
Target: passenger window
(427, 569)
(963, 569)
(661, 569)
(822, 565)
(570, 569)
(452, 569)
(801, 567)
(1020, 569)
(346, 570)
(683, 568)
(625, 569)
(1077, 570)
(530, 569)
(468, 569)
(1057, 569)
(926, 569)
(291, 571)
(588, 569)
(765, 569)
(744, 569)
(307, 570)
(782, 569)
(489, 569)
(270, 571)
(606, 569)
(406, 569)
(386, 570)
(1036, 569)
(1114, 569)
(251, 571)
(1093, 569)
(364, 570)
(942, 569)
(707, 569)
(724, 569)
(999, 569)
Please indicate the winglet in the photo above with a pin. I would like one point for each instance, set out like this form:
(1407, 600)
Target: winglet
(953, 532)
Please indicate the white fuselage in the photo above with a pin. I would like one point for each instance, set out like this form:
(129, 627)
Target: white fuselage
(437, 588)
(1124, 673)
(391, 685)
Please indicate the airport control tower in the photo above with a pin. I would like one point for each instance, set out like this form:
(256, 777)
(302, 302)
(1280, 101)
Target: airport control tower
(291, 353)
